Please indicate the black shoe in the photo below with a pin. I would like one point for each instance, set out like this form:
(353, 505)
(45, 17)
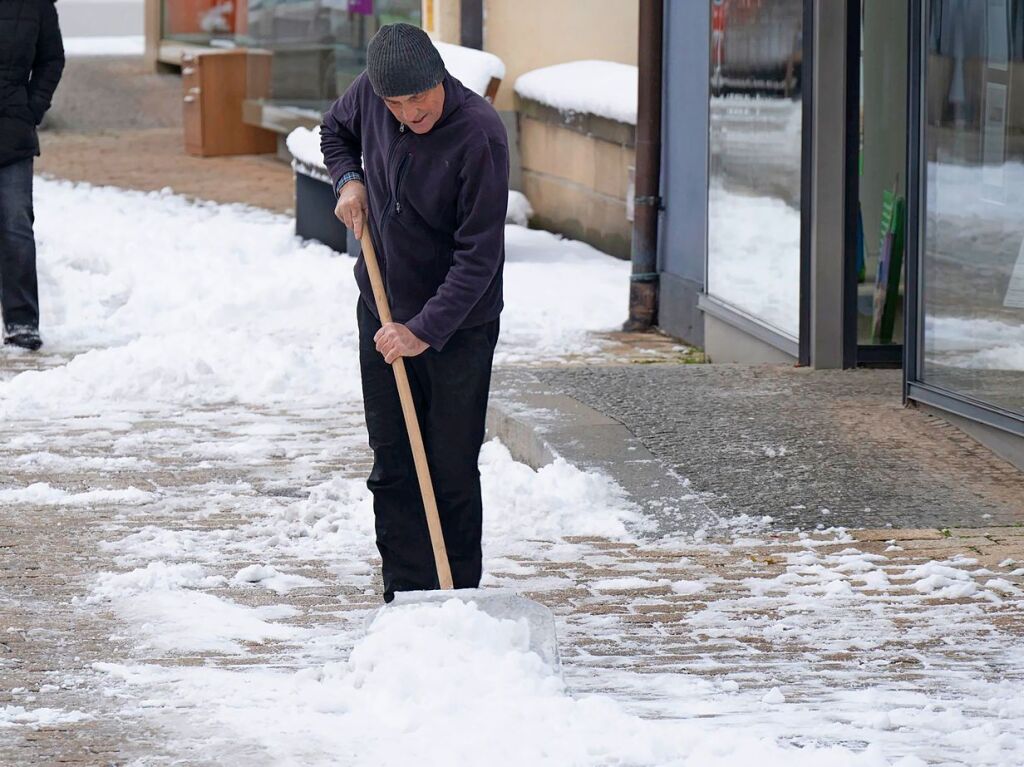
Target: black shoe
(23, 336)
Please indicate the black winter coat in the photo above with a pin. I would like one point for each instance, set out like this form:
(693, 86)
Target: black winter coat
(31, 62)
(437, 205)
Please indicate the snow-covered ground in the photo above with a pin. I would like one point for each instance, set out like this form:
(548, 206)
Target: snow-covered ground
(199, 395)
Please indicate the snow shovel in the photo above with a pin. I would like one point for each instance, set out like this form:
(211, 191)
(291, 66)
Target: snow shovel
(495, 602)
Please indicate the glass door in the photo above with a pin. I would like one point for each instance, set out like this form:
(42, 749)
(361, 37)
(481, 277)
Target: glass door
(969, 124)
(880, 218)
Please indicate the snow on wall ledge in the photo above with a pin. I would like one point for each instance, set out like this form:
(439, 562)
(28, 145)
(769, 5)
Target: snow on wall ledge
(603, 88)
(471, 67)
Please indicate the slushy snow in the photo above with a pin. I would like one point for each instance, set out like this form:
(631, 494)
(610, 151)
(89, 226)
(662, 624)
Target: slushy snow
(210, 339)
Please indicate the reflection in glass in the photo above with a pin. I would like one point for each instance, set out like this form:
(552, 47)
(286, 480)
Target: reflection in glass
(973, 259)
(318, 46)
(199, 21)
(755, 153)
(881, 220)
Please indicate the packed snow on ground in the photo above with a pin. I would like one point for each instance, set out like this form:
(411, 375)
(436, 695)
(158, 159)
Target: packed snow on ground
(455, 676)
(603, 88)
(207, 341)
(160, 312)
(123, 45)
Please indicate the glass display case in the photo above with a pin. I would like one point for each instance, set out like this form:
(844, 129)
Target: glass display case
(317, 46)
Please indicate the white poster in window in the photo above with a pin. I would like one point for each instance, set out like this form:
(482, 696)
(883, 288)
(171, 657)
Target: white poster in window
(994, 149)
(1015, 290)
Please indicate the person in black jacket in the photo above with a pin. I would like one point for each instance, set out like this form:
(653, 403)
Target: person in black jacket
(31, 62)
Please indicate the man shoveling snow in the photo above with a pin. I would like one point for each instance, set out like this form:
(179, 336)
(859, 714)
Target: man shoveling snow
(422, 161)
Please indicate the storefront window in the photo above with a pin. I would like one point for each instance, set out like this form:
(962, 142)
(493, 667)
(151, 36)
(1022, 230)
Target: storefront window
(317, 47)
(973, 256)
(755, 159)
(199, 21)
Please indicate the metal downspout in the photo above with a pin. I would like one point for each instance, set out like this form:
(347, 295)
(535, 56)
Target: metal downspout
(643, 286)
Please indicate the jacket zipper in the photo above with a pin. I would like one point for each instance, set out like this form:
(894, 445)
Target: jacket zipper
(387, 211)
(387, 169)
(398, 182)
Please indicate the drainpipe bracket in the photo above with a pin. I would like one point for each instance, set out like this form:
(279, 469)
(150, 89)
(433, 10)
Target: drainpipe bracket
(650, 199)
(644, 277)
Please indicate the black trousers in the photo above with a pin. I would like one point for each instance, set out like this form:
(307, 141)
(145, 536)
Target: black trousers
(450, 391)
(19, 293)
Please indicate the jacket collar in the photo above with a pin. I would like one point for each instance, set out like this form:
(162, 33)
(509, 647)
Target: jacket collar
(454, 98)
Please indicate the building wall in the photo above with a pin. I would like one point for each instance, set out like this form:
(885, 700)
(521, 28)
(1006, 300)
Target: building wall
(529, 34)
(682, 232)
(575, 173)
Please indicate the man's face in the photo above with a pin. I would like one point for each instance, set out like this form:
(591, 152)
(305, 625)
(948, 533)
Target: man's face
(419, 112)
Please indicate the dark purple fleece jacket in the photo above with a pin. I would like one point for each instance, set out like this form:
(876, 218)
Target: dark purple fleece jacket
(437, 205)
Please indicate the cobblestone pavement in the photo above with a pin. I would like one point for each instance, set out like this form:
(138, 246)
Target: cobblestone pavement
(899, 637)
(808, 448)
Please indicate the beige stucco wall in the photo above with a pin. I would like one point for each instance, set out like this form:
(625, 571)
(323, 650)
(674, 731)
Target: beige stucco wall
(441, 19)
(529, 34)
(577, 178)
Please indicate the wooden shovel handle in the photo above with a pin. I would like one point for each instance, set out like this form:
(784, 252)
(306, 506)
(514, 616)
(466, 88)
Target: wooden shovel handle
(412, 424)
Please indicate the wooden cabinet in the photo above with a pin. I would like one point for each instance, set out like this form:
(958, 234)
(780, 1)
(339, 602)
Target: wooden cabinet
(215, 84)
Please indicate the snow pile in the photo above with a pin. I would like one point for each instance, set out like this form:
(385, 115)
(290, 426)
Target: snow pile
(471, 67)
(43, 494)
(156, 576)
(519, 209)
(166, 292)
(336, 521)
(548, 504)
(159, 294)
(269, 577)
(450, 685)
(14, 716)
(165, 612)
(556, 293)
(304, 144)
(602, 88)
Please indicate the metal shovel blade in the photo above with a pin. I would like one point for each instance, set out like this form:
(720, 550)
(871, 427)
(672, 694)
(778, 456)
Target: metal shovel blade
(503, 605)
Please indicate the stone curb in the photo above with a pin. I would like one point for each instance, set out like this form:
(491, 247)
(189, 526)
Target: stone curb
(538, 427)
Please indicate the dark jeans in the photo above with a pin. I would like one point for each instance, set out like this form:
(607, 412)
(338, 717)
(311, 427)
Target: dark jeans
(19, 292)
(450, 390)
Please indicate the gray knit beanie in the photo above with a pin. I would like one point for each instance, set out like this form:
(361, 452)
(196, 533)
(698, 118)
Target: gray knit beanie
(401, 60)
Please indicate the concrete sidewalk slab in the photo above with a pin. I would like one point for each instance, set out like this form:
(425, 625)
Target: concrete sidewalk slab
(539, 426)
(808, 448)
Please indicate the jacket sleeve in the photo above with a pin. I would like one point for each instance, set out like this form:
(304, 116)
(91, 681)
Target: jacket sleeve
(340, 134)
(48, 64)
(479, 245)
